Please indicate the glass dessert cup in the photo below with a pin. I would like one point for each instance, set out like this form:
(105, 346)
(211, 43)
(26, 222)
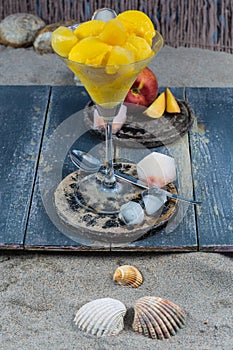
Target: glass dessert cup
(108, 86)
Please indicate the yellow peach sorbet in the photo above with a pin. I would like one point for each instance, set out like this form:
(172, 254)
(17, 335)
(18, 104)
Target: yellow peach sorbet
(113, 33)
(62, 41)
(118, 56)
(139, 46)
(89, 49)
(89, 28)
(138, 23)
(107, 56)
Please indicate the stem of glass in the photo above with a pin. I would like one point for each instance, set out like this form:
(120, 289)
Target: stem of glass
(108, 113)
(109, 179)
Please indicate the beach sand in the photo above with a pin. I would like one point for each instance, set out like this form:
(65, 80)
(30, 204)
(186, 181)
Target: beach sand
(41, 292)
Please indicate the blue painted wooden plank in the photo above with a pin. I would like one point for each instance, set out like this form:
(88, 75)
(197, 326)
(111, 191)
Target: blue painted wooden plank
(212, 161)
(22, 116)
(65, 129)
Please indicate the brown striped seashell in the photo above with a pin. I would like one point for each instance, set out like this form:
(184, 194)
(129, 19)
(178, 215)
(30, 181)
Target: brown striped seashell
(127, 275)
(101, 317)
(157, 318)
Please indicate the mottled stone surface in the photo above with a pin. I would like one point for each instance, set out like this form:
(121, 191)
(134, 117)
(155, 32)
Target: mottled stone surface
(19, 30)
(173, 67)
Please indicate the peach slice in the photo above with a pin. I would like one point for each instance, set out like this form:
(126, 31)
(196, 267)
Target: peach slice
(139, 46)
(171, 103)
(62, 41)
(113, 33)
(89, 28)
(157, 107)
(138, 23)
(89, 49)
(118, 56)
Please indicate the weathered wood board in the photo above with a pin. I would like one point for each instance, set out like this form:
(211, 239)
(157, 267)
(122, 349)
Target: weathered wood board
(22, 116)
(212, 162)
(30, 117)
(64, 129)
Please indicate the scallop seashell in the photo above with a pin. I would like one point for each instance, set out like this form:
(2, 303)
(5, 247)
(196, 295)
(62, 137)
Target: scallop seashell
(127, 275)
(157, 318)
(101, 317)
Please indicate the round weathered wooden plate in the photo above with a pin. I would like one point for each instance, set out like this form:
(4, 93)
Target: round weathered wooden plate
(106, 228)
(142, 130)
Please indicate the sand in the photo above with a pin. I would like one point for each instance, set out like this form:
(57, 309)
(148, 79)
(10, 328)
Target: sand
(41, 292)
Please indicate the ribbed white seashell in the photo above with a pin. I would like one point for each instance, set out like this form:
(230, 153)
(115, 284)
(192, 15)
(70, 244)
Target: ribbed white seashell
(127, 275)
(131, 213)
(101, 317)
(157, 318)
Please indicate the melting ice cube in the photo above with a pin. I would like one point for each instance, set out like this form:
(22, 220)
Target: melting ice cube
(154, 202)
(157, 169)
(118, 121)
(131, 213)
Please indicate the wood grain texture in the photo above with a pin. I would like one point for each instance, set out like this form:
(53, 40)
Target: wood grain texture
(64, 130)
(180, 233)
(22, 117)
(211, 151)
(212, 162)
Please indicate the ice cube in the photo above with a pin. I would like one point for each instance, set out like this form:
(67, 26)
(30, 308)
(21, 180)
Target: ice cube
(117, 123)
(157, 169)
(154, 202)
(119, 120)
(98, 121)
(131, 213)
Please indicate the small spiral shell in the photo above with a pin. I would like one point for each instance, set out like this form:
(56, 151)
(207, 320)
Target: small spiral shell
(157, 318)
(127, 275)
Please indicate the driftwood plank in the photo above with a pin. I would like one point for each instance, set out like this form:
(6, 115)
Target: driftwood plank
(22, 116)
(212, 161)
(180, 233)
(64, 130)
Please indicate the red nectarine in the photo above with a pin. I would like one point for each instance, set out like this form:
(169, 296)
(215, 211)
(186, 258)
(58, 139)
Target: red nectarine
(144, 90)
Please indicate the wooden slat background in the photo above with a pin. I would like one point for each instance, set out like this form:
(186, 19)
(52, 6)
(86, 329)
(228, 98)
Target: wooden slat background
(22, 116)
(212, 162)
(199, 23)
(210, 144)
(63, 128)
(41, 231)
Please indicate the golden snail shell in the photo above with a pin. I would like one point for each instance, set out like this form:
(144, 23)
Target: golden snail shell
(157, 318)
(128, 275)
